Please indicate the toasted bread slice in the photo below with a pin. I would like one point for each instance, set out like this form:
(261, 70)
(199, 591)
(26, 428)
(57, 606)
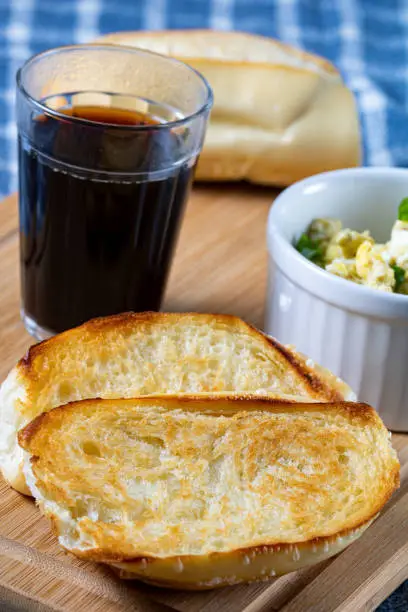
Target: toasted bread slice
(197, 492)
(140, 354)
(279, 114)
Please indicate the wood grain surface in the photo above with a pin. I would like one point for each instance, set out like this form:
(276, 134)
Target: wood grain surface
(220, 266)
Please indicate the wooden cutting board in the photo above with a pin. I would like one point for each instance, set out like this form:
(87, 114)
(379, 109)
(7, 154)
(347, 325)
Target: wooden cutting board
(220, 266)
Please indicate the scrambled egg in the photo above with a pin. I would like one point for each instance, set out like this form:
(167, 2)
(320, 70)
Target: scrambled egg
(373, 266)
(355, 256)
(345, 244)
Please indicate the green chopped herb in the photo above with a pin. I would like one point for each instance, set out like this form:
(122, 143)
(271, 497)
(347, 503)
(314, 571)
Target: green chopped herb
(399, 274)
(403, 210)
(310, 249)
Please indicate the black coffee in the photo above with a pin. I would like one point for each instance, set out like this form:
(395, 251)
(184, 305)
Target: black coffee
(90, 246)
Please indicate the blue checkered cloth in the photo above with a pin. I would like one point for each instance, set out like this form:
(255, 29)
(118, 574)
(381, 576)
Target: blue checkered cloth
(366, 39)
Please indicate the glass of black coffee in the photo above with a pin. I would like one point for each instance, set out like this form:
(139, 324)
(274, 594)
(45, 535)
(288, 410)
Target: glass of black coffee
(108, 140)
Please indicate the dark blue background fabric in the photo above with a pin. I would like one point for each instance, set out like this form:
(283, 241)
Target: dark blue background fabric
(366, 39)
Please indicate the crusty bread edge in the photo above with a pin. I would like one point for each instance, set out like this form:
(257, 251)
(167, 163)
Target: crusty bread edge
(240, 565)
(317, 386)
(120, 38)
(202, 572)
(228, 405)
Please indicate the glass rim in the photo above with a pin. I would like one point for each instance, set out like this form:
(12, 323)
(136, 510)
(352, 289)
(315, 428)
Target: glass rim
(205, 107)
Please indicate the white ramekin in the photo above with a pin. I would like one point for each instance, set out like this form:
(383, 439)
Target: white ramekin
(360, 334)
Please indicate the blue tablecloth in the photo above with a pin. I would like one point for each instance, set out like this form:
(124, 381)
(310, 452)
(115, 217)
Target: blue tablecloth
(366, 39)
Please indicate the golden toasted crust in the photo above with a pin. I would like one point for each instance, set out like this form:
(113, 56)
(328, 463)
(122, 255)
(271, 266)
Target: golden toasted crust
(317, 384)
(215, 405)
(150, 483)
(142, 354)
(312, 385)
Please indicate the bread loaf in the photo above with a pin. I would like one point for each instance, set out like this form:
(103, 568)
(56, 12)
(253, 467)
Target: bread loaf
(141, 354)
(201, 492)
(279, 114)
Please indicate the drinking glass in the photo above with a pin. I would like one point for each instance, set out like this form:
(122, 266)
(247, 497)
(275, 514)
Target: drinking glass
(108, 139)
